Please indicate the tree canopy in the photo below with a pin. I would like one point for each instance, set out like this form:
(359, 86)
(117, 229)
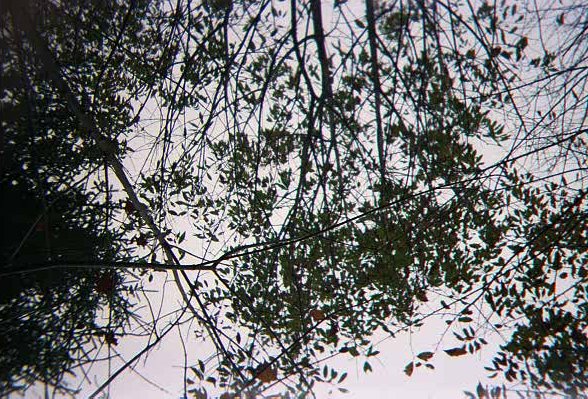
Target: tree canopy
(310, 173)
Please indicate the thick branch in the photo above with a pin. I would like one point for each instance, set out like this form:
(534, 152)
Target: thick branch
(27, 268)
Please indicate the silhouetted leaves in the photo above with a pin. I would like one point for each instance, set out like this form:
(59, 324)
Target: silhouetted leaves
(408, 370)
(363, 193)
(425, 355)
(454, 352)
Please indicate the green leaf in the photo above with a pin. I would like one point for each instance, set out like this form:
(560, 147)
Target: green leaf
(353, 352)
(367, 367)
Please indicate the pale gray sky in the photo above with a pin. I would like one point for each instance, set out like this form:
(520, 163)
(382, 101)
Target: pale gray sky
(162, 368)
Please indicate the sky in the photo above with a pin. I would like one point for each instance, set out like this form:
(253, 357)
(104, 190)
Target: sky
(160, 374)
(449, 379)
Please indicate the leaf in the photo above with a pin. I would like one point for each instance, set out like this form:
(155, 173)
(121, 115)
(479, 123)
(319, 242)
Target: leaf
(129, 207)
(266, 373)
(421, 295)
(317, 315)
(353, 352)
(456, 351)
(425, 355)
(367, 367)
(409, 369)
(105, 284)
(110, 339)
(374, 353)
(482, 393)
(198, 394)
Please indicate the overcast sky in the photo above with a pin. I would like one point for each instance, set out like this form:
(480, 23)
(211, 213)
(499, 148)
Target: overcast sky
(160, 374)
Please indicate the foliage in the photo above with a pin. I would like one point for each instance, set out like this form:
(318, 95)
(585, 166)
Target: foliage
(56, 213)
(351, 169)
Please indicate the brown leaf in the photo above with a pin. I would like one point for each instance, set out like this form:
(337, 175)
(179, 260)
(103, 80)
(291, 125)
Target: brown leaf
(110, 339)
(268, 374)
(425, 355)
(332, 333)
(317, 315)
(105, 284)
(456, 351)
(421, 295)
(409, 369)
(129, 207)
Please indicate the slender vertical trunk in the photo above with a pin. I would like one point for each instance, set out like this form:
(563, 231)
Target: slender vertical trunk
(326, 82)
(375, 77)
